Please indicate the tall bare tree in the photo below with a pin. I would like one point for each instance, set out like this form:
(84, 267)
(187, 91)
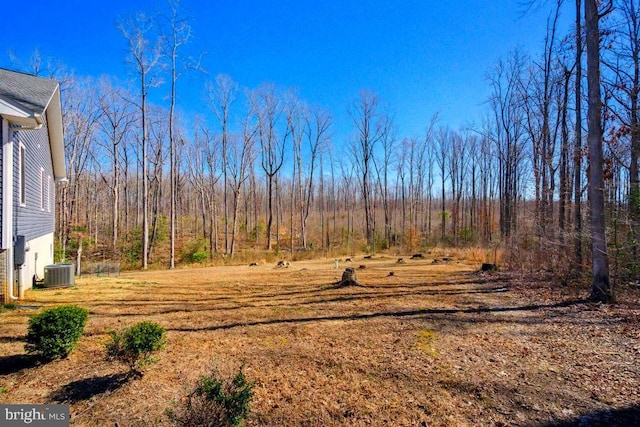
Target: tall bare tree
(144, 57)
(175, 37)
(81, 117)
(371, 126)
(116, 123)
(267, 108)
(221, 96)
(623, 88)
(507, 134)
(601, 289)
(316, 132)
(577, 147)
(240, 165)
(444, 145)
(382, 168)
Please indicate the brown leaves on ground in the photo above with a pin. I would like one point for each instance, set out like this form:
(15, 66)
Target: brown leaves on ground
(434, 344)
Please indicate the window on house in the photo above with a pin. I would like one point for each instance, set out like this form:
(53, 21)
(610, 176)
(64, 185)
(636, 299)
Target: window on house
(48, 193)
(42, 192)
(22, 176)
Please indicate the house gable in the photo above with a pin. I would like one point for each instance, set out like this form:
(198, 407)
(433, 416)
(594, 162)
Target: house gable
(28, 101)
(32, 157)
(31, 217)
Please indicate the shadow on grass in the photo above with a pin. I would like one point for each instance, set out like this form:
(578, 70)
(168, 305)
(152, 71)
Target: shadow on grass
(9, 340)
(318, 295)
(87, 388)
(619, 417)
(17, 362)
(396, 314)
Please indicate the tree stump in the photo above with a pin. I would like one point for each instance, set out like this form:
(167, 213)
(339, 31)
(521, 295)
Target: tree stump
(349, 274)
(348, 278)
(486, 266)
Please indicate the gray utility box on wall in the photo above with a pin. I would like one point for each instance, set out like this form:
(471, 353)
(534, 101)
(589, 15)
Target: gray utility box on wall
(57, 275)
(19, 250)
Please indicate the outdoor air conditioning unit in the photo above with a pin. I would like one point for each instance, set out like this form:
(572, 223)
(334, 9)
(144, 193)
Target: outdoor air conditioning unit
(57, 275)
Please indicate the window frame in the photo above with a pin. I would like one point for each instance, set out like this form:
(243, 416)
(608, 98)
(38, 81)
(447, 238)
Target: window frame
(48, 193)
(42, 193)
(22, 174)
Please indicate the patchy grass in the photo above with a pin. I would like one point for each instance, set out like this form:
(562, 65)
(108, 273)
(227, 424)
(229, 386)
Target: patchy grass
(426, 340)
(437, 344)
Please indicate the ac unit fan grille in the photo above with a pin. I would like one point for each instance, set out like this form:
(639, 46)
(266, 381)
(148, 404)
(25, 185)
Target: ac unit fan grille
(59, 275)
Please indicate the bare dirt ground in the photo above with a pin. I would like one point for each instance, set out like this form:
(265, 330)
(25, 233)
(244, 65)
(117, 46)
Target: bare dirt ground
(433, 344)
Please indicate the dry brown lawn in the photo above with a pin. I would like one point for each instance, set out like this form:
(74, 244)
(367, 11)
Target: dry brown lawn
(432, 344)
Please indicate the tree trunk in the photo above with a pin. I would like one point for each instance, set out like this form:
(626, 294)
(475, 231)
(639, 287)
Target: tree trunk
(577, 149)
(601, 289)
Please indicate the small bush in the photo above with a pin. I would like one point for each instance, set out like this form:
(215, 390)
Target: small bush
(134, 346)
(54, 332)
(7, 307)
(216, 402)
(195, 251)
(199, 256)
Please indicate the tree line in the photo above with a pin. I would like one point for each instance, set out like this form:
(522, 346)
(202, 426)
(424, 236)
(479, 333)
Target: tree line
(550, 174)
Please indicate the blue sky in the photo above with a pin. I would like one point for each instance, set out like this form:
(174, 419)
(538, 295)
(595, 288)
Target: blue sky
(421, 57)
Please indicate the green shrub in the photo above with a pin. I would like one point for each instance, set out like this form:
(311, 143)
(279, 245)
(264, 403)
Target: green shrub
(134, 346)
(199, 256)
(7, 307)
(195, 251)
(134, 251)
(216, 402)
(54, 332)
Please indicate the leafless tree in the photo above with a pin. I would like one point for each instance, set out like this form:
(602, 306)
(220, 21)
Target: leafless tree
(623, 88)
(382, 169)
(601, 289)
(222, 95)
(116, 123)
(458, 160)
(144, 58)
(538, 88)
(267, 108)
(174, 38)
(158, 142)
(240, 164)
(577, 147)
(444, 144)
(309, 129)
(81, 117)
(507, 134)
(371, 127)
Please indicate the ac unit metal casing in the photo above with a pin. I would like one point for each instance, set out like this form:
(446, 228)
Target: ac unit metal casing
(57, 275)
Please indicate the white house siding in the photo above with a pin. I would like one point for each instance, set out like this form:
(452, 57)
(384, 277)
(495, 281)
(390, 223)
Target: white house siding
(39, 255)
(1, 160)
(3, 277)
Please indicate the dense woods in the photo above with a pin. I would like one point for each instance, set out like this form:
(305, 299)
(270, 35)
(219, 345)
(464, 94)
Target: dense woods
(261, 170)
